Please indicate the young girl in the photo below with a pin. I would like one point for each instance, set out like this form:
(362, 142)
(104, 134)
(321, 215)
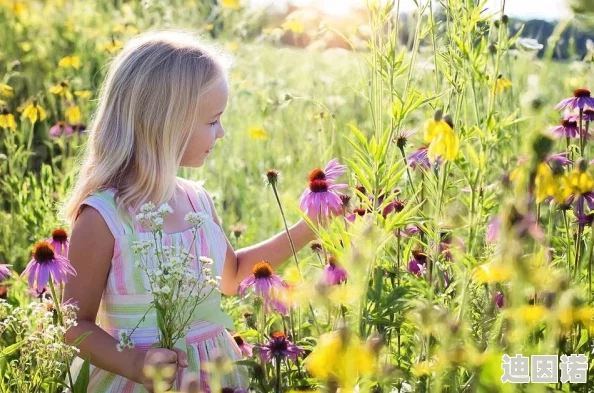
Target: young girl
(159, 109)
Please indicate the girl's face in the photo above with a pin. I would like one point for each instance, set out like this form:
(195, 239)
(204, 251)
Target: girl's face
(202, 139)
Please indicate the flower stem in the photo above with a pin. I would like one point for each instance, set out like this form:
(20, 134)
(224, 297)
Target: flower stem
(280, 206)
(60, 319)
(278, 374)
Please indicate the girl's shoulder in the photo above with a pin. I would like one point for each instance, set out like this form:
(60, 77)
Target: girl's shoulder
(103, 201)
(197, 187)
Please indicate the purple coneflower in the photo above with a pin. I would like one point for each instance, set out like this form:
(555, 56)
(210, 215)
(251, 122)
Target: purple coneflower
(60, 128)
(356, 213)
(5, 272)
(498, 299)
(418, 264)
(279, 347)
(263, 279)
(245, 348)
(59, 241)
(47, 265)
(588, 114)
(395, 206)
(321, 198)
(334, 273)
(332, 171)
(568, 127)
(493, 229)
(402, 138)
(580, 99)
(561, 158)
(419, 159)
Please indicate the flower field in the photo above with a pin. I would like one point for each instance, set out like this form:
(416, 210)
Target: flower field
(453, 172)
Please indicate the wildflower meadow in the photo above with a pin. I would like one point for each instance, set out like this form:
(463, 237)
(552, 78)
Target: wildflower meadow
(445, 160)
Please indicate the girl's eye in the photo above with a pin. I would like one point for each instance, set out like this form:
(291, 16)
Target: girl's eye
(214, 123)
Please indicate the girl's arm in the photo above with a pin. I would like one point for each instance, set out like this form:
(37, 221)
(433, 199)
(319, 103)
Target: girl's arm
(276, 250)
(90, 253)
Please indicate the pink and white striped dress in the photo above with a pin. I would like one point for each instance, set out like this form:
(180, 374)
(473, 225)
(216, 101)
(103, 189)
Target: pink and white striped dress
(126, 299)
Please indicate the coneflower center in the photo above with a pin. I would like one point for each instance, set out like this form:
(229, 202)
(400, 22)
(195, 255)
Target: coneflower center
(569, 123)
(279, 334)
(59, 235)
(262, 270)
(420, 256)
(317, 174)
(580, 93)
(318, 185)
(5, 111)
(332, 261)
(43, 252)
(238, 340)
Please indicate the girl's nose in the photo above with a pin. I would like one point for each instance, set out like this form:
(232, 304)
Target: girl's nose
(221, 132)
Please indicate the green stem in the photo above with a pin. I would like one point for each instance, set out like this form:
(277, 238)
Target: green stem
(280, 206)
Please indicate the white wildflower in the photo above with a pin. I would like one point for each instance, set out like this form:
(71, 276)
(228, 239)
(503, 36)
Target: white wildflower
(164, 209)
(206, 260)
(147, 207)
(166, 290)
(196, 219)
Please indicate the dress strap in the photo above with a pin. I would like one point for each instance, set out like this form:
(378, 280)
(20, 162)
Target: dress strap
(197, 197)
(104, 203)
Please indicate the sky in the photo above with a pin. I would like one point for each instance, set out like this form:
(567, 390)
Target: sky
(525, 9)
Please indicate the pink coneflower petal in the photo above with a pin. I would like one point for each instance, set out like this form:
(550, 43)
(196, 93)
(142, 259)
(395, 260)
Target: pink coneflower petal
(59, 240)
(5, 272)
(334, 274)
(45, 264)
(581, 99)
(279, 347)
(264, 281)
(334, 170)
(493, 229)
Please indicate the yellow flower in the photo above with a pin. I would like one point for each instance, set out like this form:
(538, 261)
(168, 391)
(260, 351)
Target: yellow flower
(209, 27)
(112, 47)
(257, 133)
(125, 28)
(6, 90)
(61, 89)
(70, 61)
(26, 46)
(34, 112)
(341, 359)
(570, 315)
(501, 84)
(83, 93)
(530, 314)
(293, 25)
(493, 272)
(73, 114)
(232, 46)
(547, 185)
(441, 138)
(577, 182)
(445, 145)
(231, 4)
(7, 120)
(422, 368)
(19, 9)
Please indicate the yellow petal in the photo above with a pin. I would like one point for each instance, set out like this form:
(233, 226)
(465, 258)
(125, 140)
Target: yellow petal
(73, 114)
(258, 133)
(6, 90)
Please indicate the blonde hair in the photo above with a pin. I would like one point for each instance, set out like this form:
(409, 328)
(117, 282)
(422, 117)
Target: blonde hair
(148, 107)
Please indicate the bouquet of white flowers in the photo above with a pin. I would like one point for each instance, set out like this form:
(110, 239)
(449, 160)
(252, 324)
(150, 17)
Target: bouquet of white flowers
(177, 288)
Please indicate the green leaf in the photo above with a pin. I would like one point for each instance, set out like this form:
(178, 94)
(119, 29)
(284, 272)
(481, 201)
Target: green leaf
(82, 381)
(13, 348)
(81, 338)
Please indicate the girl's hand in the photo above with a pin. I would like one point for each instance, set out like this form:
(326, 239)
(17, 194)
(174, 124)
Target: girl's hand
(160, 358)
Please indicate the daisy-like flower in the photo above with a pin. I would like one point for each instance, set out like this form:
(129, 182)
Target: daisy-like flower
(580, 185)
(331, 172)
(394, 206)
(560, 158)
(279, 347)
(59, 241)
(60, 128)
(245, 348)
(588, 114)
(419, 159)
(46, 265)
(568, 127)
(403, 137)
(358, 212)
(321, 197)
(263, 280)
(7, 119)
(34, 112)
(580, 99)
(5, 272)
(334, 273)
(418, 264)
(501, 84)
